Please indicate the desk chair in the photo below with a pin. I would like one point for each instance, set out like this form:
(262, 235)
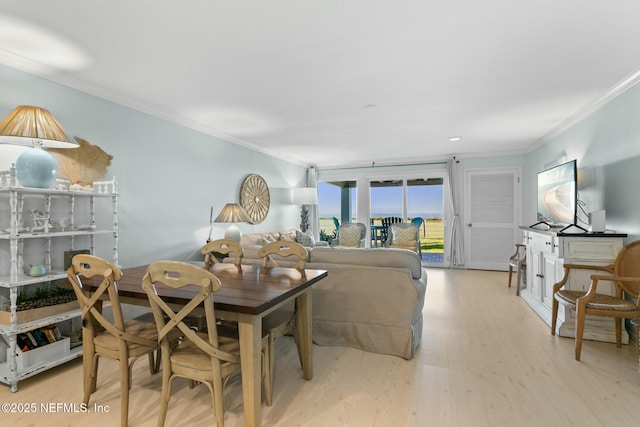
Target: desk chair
(624, 276)
(118, 340)
(283, 320)
(206, 357)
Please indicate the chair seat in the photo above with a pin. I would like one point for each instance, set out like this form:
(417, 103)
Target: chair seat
(142, 326)
(599, 302)
(188, 355)
(514, 263)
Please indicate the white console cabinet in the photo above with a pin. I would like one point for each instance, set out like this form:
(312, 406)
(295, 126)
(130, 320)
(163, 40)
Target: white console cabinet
(547, 252)
(38, 226)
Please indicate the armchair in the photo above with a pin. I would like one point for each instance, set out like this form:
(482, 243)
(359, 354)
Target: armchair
(404, 235)
(351, 234)
(625, 277)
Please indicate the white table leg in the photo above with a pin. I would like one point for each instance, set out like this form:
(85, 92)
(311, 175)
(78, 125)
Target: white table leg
(250, 328)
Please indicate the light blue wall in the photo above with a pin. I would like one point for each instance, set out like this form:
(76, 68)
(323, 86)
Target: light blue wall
(169, 176)
(606, 145)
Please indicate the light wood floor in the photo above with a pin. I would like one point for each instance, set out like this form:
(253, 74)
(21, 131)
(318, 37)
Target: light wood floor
(486, 359)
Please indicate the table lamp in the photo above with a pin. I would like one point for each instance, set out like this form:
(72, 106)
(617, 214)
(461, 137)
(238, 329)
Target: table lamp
(231, 213)
(305, 196)
(35, 127)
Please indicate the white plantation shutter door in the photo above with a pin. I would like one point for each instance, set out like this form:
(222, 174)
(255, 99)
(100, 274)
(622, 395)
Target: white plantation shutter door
(491, 219)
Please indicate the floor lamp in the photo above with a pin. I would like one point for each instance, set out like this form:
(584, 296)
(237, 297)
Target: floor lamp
(305, 196)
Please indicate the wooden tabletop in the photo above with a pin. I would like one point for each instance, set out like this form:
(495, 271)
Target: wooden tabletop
(252, 289)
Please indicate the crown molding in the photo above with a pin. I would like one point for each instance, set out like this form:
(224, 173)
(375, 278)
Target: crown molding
(590, 108)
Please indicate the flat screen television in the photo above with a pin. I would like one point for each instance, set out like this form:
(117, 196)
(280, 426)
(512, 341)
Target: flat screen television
(557, 194)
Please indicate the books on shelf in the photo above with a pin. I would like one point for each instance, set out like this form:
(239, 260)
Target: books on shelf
(38, 337)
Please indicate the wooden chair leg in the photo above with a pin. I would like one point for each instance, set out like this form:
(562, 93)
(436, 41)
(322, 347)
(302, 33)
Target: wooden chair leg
(510, 274)
(166, 395)
(618, 332)
(518, 281)
(89, 377)
(218, 400)
(579, 329)
(266, 375)
(125, 385)
(271, 363)
(554, 315)
(154, 362)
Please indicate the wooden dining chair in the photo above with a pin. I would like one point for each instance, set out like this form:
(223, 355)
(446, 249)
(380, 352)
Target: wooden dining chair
(123, 342)
(216, 248)
(209, 357)
(518, 263)
(624, 276)
(283, 320)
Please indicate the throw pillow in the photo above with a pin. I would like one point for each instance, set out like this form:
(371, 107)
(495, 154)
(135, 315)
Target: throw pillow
(267, 239)
(403, 236)
(305, 239)
(289, 235)
(350, 236)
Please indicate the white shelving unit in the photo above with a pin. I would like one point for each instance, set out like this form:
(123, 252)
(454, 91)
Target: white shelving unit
(43, 232)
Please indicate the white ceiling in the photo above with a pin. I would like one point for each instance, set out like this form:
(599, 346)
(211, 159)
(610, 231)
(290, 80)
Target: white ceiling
(338, 82)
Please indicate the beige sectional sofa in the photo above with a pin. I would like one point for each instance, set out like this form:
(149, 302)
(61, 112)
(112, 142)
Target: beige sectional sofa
(372, 299)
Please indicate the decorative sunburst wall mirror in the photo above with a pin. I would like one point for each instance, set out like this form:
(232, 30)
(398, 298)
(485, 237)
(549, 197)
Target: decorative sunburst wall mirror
(255, 198)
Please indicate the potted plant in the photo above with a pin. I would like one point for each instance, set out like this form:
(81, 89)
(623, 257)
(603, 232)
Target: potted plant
(41, 302)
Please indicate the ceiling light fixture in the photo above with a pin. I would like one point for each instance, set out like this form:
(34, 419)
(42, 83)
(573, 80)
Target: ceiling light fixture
(455, 138)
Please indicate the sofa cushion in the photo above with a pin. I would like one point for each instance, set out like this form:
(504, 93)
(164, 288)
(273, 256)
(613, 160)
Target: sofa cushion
(268, 238)
(289, 235)
(377, 257)
(403, 236)
(350, 236)
(259, 239)
(305, 239)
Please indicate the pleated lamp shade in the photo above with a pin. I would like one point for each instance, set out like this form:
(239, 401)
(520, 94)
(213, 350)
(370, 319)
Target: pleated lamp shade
(37, 128)
(233, 212)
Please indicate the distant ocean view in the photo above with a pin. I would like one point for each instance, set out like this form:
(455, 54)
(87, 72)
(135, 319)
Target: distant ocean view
(386, 214)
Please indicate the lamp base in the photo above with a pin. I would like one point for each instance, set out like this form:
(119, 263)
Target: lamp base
(35, 168)
(233, 233)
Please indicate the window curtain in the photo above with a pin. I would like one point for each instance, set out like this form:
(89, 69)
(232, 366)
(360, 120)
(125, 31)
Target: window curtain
(456, 246)
(312, 181)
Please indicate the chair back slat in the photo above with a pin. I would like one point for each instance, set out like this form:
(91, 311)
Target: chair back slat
(628, 265)
(283, 248)
(176, 275)
(90, 267)
(221, 247)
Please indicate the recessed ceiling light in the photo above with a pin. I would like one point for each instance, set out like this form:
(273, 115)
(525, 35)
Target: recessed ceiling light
(455, 138)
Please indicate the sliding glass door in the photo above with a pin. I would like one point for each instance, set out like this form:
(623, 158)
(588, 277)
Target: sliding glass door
(410, 199)
(336, 205)
(418, 198)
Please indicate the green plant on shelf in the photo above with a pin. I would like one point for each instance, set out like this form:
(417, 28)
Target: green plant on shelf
(42, 297)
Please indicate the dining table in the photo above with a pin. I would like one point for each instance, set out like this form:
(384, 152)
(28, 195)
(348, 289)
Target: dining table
(248, 293)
